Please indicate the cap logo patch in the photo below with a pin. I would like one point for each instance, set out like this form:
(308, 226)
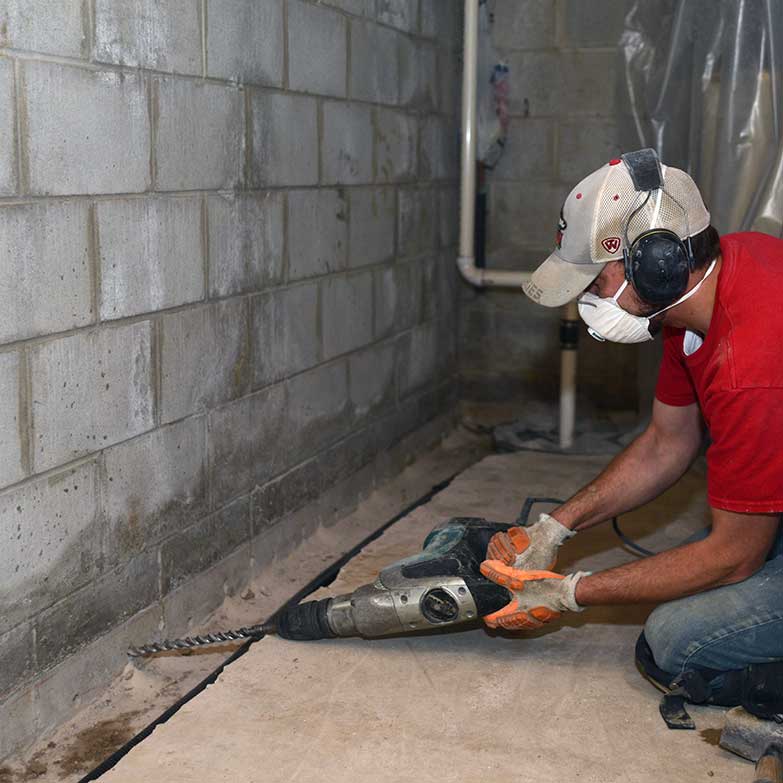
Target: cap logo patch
(610, 244)
(561, 227)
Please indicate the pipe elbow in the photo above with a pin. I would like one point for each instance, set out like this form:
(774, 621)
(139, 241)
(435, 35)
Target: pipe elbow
(470, 272)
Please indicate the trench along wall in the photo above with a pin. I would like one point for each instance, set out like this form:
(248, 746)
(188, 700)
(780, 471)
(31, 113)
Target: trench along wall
(226, 241)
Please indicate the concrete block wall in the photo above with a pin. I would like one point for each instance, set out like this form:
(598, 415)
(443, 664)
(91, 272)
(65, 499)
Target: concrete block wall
(227, 233)
(564, 68)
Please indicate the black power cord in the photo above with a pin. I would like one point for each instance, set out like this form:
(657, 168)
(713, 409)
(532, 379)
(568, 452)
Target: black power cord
(524, 515)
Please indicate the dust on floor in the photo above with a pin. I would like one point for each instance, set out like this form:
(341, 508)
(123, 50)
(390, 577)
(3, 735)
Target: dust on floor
(563, 703)
(149, 686)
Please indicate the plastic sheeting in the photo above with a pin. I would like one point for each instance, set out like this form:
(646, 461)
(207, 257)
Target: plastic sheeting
(704, 82)
(492, 95)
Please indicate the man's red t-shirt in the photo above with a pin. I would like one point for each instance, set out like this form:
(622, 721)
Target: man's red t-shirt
(736, 376)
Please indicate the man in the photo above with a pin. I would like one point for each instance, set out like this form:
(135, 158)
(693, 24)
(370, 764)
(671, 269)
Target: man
(636, 246)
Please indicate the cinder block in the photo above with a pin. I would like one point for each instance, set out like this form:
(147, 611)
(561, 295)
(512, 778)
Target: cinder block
(417, 221)
(373, 222)
(17, 658)
(449, 217)
(82, 677)
(12, 419)
(524, 24)
(347, 313)
(151, 254)
(599, 24)
(562, 83)
(291, 491)
(397, 299)
(42, 563)
(90, 390)
(44, 254)
(317, 49)
(449, 81)
(149, 34)
(204, 544)
(319, 410)
(153, 485)
(199, 135)
(529, 151)
(402, 14)
(396, 141)
(247, 443)
(522, 215)
(439, 149)
(317, 232)
(535, 87)
(204, 357)
(286, 333)
(585, 145)
(44, 26)
(372, 374)
(349, 477)
(374, 63)
(196, 599)
(245, 242)
(8, 181)
(102, 148)
(245, 40)
(102, 605)
(422, 361)
(357, 7)
(430, 304)
(284, 147)
(441, 20)
(347, 143)
(418, 74)
(588, 83)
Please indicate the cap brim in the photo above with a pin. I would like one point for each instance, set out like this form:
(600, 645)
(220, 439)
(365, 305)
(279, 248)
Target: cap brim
(557, 282)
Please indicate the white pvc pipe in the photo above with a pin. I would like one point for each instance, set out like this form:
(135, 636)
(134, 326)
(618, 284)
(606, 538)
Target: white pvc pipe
(467, 259)
(568, 364)
(466, 262)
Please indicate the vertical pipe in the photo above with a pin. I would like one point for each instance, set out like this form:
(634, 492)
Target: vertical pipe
(468, 154)
(569, 340)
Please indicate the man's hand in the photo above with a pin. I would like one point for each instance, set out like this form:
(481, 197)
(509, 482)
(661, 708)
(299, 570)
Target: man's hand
(537, 597)
(532, 548)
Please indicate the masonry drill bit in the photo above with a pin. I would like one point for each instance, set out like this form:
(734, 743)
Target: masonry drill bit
(189, 642)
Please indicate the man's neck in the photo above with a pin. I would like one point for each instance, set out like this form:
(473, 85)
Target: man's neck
(695, 313)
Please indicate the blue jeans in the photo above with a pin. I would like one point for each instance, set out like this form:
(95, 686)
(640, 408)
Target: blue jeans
(725, 629)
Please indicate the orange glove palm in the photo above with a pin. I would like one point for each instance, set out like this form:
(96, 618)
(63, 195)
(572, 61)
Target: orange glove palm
(532, 548)
(537, 597)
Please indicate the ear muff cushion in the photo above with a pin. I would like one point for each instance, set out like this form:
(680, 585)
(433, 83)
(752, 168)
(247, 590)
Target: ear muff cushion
(657, 266)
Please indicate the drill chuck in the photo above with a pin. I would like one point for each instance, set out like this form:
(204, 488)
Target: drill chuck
(306, 621)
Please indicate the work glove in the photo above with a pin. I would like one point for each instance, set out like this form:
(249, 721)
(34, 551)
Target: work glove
(537, 597)
(532, 548)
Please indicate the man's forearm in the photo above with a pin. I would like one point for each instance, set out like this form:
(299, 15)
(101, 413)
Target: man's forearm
(734, 550)
(641, 472)
(673, 574)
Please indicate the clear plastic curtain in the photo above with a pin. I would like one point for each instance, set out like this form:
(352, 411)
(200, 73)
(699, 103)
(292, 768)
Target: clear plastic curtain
(703, 79)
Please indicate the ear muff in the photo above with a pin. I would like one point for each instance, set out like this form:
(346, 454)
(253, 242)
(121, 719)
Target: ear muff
(658, 265)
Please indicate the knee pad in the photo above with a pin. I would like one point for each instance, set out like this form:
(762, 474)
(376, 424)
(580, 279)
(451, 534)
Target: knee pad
(645, 662)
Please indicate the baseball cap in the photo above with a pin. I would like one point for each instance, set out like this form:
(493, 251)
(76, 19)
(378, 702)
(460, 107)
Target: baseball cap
(593, 221)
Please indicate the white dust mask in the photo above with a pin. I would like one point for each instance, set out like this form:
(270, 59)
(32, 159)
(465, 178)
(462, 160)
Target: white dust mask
(606, 320)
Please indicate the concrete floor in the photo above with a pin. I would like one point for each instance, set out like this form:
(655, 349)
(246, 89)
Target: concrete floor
(566, 703)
